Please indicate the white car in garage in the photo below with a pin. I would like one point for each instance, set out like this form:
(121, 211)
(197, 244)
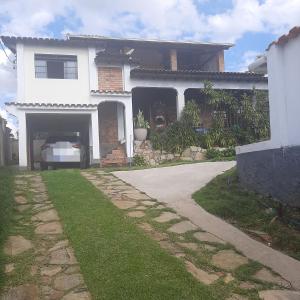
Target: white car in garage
(62, 151)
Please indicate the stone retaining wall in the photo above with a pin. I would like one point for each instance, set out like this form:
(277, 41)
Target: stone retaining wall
(156, 157)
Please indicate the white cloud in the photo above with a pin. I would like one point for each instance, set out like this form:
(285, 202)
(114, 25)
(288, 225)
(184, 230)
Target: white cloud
(247, 59)
(172, 19)
(29, 18)
(7, 74)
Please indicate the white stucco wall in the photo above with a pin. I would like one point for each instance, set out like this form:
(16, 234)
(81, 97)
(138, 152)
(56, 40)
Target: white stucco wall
(54, 90)
(290, 76)
(284, 97)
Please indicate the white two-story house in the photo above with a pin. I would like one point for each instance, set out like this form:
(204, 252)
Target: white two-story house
(95, 85)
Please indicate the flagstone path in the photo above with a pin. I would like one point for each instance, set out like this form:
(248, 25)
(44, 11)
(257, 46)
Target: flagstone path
(54, 272)
(208, 258)
(175, 185)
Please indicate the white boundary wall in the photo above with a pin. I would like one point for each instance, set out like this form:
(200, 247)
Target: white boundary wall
(284, 97)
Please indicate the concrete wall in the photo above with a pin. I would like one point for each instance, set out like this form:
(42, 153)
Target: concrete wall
(274, 172)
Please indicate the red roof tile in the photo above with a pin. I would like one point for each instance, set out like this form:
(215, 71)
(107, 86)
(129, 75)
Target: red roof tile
(293, 33)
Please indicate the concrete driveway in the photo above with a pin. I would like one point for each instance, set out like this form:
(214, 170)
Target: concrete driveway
(175, 185)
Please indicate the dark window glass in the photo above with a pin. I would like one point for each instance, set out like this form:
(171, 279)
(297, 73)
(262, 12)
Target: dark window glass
(56, 66)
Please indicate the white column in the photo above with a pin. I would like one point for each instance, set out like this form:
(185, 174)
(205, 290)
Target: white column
(129, 127)
(93, 74)
(95, 136)
(180, 102)
(23, 158)
(126, 78)
(121, 123)
(20, 73)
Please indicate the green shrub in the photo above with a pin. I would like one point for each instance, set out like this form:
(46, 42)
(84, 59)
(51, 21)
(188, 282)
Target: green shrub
(139, 161)
(238, 118)
(175, 138)
(178, 137)
(229, 152)
(157, 140)
(217, 154)
(191, 114)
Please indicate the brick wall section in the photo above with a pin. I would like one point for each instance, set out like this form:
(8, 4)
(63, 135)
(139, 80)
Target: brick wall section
(108, 127)
(110, 78)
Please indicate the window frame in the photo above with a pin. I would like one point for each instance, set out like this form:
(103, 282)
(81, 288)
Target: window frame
(41, 62)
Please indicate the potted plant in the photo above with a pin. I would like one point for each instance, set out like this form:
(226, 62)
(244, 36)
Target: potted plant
(140, 127)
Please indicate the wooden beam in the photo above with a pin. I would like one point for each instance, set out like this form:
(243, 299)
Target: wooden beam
(173, 59)
(221, 65)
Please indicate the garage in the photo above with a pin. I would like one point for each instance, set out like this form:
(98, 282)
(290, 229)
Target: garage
(60, 131)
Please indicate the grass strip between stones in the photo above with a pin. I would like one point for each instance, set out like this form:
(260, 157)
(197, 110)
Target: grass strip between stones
(117, 259)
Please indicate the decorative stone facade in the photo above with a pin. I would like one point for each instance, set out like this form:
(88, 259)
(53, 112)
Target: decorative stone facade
(156, 157)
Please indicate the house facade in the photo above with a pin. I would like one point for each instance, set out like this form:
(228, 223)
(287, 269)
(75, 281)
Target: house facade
(273, 167)
(94, 86)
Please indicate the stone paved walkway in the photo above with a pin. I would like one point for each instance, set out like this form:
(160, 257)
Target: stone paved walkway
(53, 271)
(209, 259)
(174, 186)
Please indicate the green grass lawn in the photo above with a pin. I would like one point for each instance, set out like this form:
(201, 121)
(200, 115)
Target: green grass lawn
(6, 209)
(224, 197)
(117, 259)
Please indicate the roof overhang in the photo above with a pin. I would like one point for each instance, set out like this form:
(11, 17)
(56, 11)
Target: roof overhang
(110, 93)
(51, 106)
(133, 42)
(293, 33)
(11, 42)
(139, 73)
(94, 40)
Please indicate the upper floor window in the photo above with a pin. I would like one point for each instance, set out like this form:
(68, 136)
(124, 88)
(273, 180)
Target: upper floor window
(55, 66)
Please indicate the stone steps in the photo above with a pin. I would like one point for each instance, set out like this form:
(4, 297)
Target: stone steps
(117, 157)
(113, 162)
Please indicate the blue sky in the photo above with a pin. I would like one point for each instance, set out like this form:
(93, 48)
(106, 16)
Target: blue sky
(250, 24)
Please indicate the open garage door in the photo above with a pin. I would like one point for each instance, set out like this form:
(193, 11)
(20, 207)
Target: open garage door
(41, 127)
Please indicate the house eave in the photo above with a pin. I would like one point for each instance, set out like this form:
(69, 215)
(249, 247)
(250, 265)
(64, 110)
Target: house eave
(148, 42)
(139, 73)
(90, 40)
(110, 93)
(50, 106)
